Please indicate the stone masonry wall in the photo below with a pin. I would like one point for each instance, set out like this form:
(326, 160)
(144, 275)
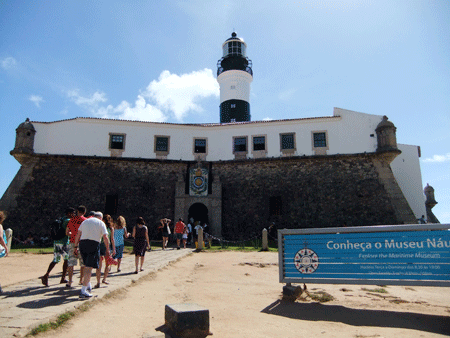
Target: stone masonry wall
(317, 191)
(144, 188)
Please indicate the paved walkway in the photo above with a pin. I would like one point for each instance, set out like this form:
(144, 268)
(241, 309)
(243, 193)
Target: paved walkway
(25, 305)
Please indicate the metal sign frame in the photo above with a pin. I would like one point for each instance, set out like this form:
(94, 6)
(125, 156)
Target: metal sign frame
(362, 252)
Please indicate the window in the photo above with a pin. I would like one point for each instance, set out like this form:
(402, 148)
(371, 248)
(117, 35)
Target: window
(287, 141)
(162, 146)
(200, 146)
(117, 141)
(259, 143)
(320, 140)
(234, 47)
(233, 105)
(240, 144)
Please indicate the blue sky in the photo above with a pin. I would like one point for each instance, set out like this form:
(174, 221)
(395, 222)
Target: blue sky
(156, 60)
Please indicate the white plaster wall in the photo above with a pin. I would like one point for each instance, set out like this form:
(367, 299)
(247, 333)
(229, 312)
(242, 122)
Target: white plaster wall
(240, 80)
(357, 133)
(406, 170)
(348, 132)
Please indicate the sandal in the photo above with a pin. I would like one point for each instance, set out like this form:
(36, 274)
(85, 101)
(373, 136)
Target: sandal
(97, 286)
(105, 282)
(136, 272)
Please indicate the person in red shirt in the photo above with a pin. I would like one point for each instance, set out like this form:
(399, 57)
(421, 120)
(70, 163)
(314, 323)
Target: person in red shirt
(71, 231)
(179, 230)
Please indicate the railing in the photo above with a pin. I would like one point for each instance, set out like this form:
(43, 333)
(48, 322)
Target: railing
(247, 69)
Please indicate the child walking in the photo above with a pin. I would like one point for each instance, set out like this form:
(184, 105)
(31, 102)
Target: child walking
(141, 242)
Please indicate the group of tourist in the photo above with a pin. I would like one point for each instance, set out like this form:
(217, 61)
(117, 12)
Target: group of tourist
(183, 233)
(88, 241)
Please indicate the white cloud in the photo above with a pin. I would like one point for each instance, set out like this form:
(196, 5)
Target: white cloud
(36, 99)
(171, 93)
(180, 93)
(438, 158)
(287, 94)
(8, 63)
(142, 111)
(267, 119)
(90, 103)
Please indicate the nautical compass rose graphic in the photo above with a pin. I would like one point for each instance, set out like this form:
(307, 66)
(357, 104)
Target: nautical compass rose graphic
(306, 261)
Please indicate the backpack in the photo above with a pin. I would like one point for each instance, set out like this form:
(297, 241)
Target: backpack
(57, 230)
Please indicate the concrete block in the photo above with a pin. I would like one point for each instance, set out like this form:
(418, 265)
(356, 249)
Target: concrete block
(291, 292)
(187, 320)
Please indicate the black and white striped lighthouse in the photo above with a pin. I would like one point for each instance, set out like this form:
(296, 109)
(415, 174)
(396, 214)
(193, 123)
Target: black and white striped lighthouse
(234, 74)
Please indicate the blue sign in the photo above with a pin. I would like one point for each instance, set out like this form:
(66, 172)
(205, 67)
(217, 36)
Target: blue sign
(366, 255)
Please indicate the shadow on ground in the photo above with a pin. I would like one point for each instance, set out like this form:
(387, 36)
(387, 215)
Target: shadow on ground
(359, 317)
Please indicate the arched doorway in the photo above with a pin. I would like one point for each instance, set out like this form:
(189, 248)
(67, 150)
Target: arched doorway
(199, 212)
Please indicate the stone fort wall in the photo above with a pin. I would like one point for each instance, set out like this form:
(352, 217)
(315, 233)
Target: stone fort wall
(295, 192)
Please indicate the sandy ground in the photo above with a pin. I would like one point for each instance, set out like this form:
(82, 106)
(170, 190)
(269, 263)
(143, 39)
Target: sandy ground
(242, 292)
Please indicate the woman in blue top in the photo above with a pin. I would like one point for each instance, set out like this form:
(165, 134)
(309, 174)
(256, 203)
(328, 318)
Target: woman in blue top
(120, 233)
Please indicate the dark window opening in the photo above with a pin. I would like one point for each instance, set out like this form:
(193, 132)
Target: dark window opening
(275, 206)
(287, 141)
(240, 144)
(117, 141)
(259, 143)
(111, 204)
(162, 144)
(320, 140)
(200, 146)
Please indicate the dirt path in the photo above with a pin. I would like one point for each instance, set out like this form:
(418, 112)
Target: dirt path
(242, 293)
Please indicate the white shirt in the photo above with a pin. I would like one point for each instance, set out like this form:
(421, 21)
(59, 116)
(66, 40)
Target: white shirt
(92, 229)
(198, 226)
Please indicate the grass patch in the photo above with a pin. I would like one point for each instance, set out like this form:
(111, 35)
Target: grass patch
(321, 296)
(60, 320)
(52, 325)
(398, 301)
(378, 290)
(32, 250)
(237, 248)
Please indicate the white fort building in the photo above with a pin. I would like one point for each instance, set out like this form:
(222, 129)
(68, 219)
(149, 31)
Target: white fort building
(237, 175)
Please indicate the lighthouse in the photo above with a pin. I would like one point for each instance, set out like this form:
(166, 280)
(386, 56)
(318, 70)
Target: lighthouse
(234, 74)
